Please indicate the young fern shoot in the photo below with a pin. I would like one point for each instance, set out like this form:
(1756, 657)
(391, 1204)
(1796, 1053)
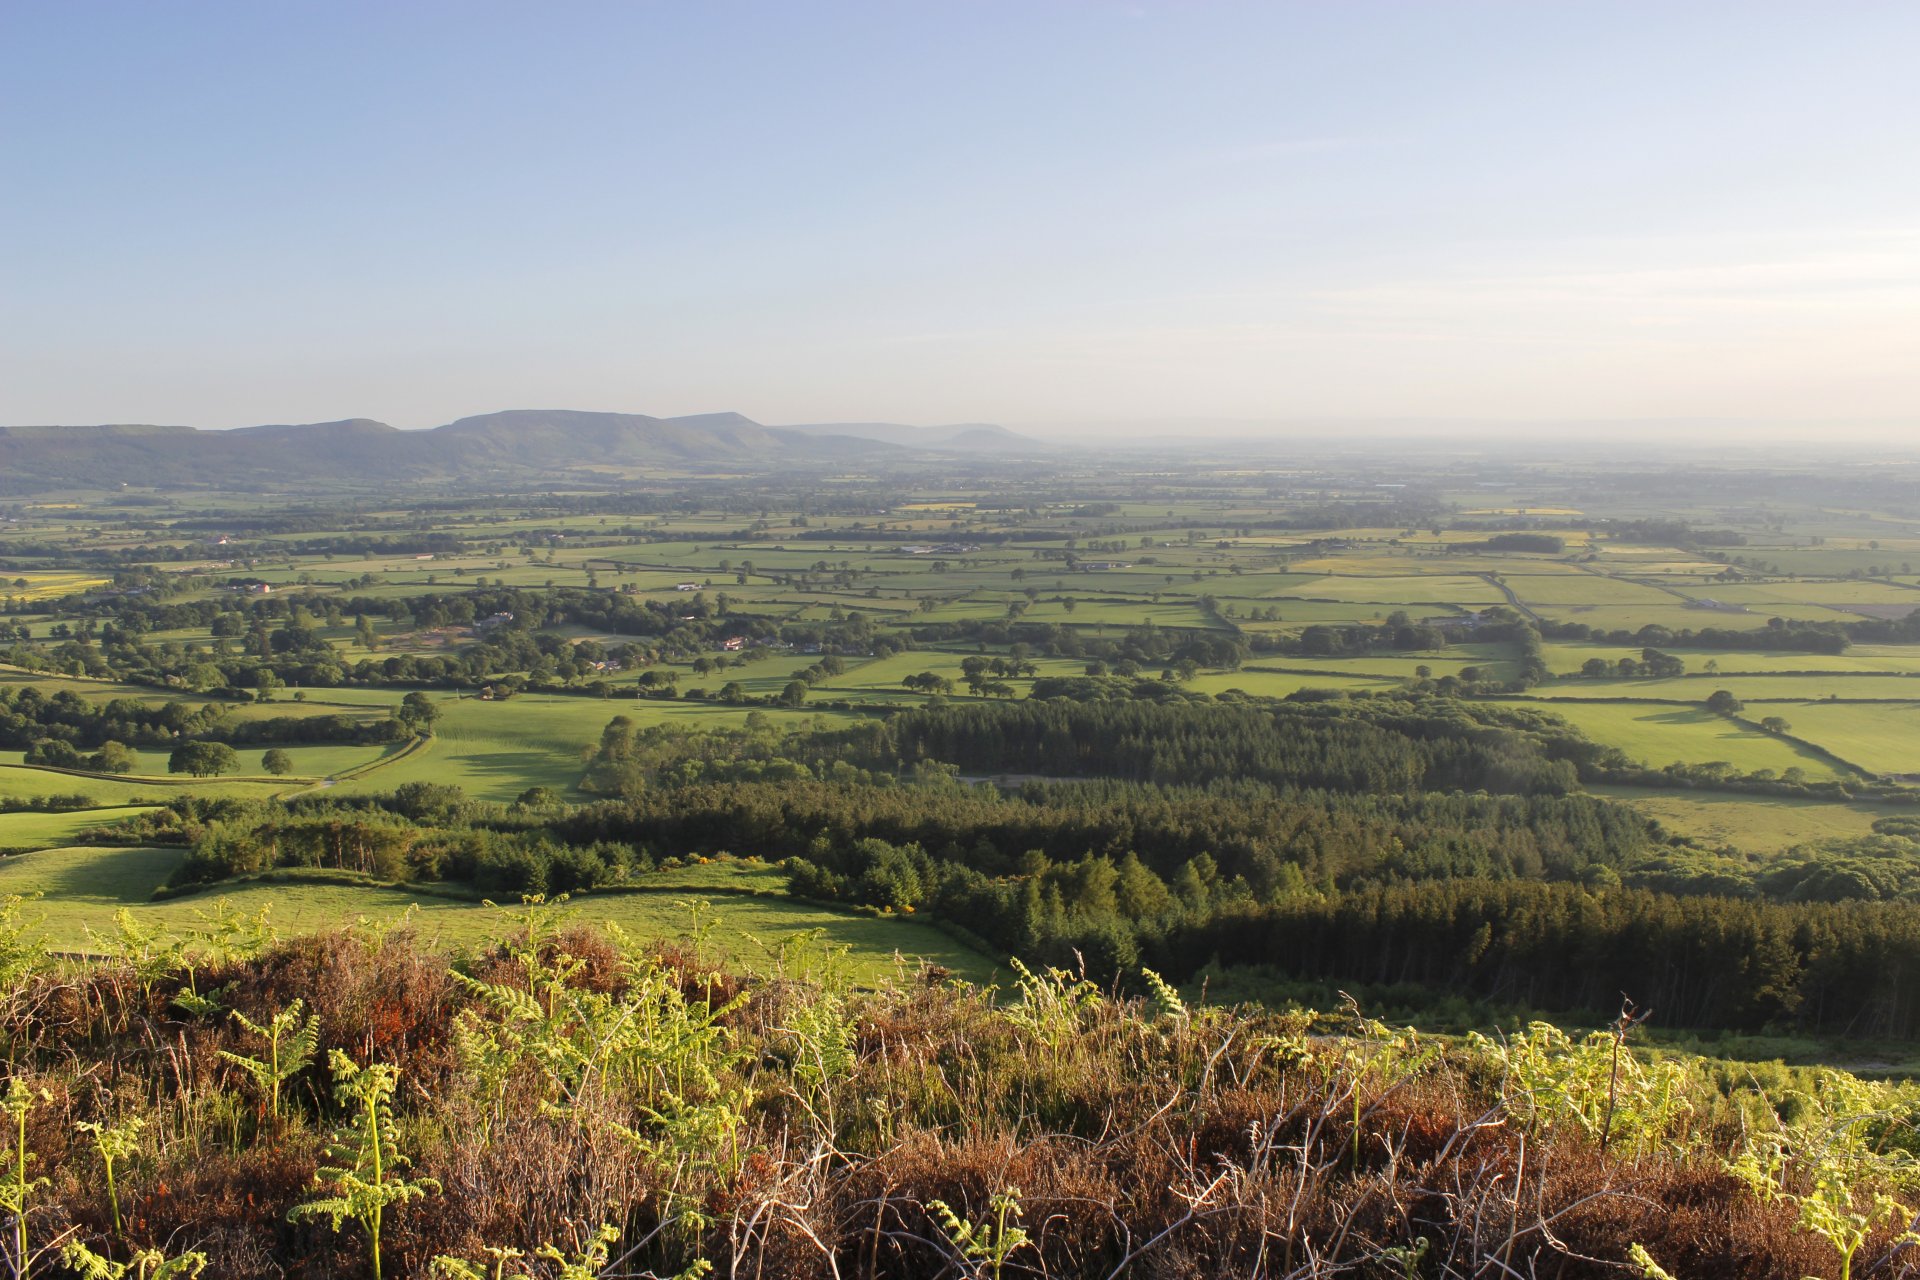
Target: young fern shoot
(145, 1264)
(290, 1047)
(367, 1176)
(985, 1245)
(115, 1143)
(17, 1189)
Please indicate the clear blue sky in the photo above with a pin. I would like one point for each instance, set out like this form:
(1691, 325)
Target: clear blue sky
(1035, 212)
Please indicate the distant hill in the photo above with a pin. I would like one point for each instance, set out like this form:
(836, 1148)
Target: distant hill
(515, 444)
(34, 458)
(959, 437)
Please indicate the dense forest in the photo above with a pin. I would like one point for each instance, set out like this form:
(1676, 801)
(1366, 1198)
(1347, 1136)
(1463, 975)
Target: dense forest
(1416, 841)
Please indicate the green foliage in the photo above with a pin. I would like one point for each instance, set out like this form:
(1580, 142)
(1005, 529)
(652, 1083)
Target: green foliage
(291, 1041)
(1162, 1000)
(1650, 1269)
(587, 1264)
(417, 713)
(203, 759)
(114, 1143)
(1053, 1004)
(1833, 1149)
(367, 1176)
(823, 1043)
(151, 953)
(984, 1245)
(145, 1264)
(1614, 1097)
(17, 1189)
(22, 954)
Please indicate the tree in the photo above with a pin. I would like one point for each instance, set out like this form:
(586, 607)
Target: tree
(114, 757)
(203, 759)
(1723, 702)
(417, 713)
(277, 762)
(1775, 724)
(794, 694)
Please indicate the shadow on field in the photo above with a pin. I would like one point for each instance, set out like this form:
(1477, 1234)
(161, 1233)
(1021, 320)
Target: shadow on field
(110, 875)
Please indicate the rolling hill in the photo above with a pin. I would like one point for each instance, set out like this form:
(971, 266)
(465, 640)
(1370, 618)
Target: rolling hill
(957, 437)
(515, 444)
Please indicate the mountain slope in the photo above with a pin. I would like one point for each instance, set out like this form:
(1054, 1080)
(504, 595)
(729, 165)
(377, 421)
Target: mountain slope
(514, 444)
(957, 437)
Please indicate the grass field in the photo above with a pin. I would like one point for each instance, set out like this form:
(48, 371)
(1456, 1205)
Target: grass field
(77, 890)
(27, 782)
(1657, 736)
(46, 586)
(496, 750)
(1746, 687)
(1589, 588)
(1393, 592)
(1751, 824)
(1278, 684)
(1887, 659)
(1767, 595)
(42, 830)
(1879, 737)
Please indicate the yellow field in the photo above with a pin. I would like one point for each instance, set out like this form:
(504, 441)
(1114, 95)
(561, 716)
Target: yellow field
(47, 586)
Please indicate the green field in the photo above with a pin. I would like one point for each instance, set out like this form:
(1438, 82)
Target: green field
(1880, 737)
(1848, 686)
(1278, 684)
(1564, 658)
(1752, 824)
(76, 892)
(1657, 736)
(1589, 589)
(26, 782)
(40, 830)
(496, 750)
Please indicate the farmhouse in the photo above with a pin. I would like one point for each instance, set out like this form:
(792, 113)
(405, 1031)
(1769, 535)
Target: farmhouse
(686, 586)
(1468, 620)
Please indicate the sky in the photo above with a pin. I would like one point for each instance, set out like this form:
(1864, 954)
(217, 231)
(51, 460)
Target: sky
(1065, 216)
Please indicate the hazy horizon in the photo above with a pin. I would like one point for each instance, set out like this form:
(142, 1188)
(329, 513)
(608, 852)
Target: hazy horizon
(1676, 435)
(1118, 220)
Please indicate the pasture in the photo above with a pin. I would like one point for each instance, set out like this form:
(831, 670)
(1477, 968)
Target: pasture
(1881, 738)
(496, 750)
(1751, 824)
(1660, 735)
(76, 891)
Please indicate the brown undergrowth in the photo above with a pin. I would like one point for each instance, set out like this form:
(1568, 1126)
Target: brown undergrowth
(574, 1104)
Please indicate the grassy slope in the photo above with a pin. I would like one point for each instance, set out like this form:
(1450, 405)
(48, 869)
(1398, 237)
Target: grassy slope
(1884, 738)
(1753, 824)
(1660, 735)
(79, 889)
(38, 830)
(496, 750)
